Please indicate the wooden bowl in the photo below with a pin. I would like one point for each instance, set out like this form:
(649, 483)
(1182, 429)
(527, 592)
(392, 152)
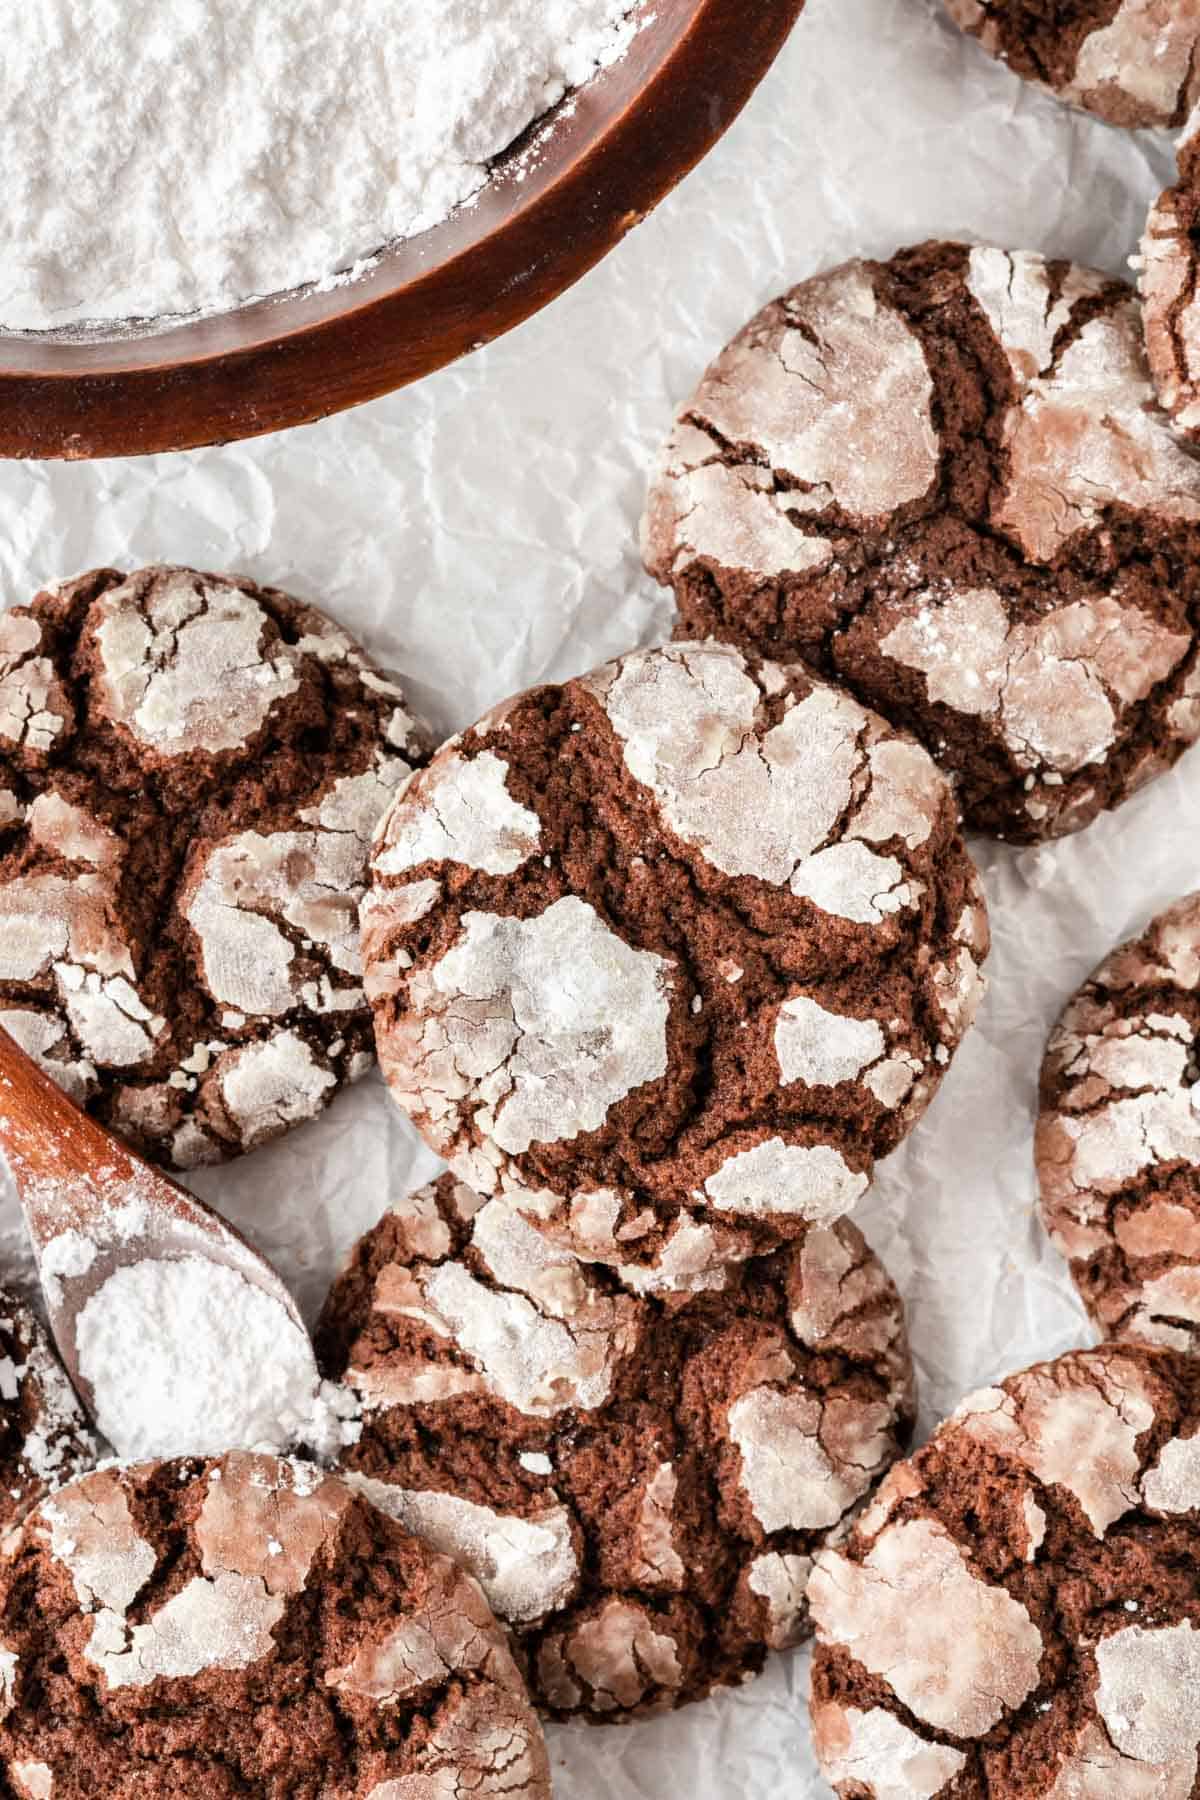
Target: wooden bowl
(547, 217)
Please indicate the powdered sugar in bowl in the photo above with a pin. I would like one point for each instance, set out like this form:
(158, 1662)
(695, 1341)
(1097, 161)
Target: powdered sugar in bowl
(264, 216)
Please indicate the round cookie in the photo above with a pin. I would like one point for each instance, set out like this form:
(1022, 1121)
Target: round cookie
(1118, 1137)
(686, 941)
(249, 1627)
(1168, 263)
(191, 768)
(44, 1437)
(1016, 1616)
(638, 1482)
(1132, 62)
(943, 480)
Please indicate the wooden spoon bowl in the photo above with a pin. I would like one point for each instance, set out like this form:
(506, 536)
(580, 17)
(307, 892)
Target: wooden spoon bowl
(74, 1177)
(612, 154)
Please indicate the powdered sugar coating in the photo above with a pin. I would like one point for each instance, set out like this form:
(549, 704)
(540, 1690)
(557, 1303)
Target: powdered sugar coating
(1011, 1614)
(1059, 688)
(543, 959)
(249, 890)
(223, 1623)
(799, 1471)
(696, 1259)
(1169, 306)
(267, 1088)
(733, 517)
(493, 1750)
(1026, 316)
(35, 1780)
(494, 1011)
(455, 1637)
(1035, 1526)
(465, 815)
(1148, 53)
(182, 878)
(955, 1650)
(1055, 689)
(50, 925)
(1085, 435)
(1142, 1673)
(832, 388)
(1168, 289)
(44, 1437)
(541, 1335)
(182, 670)
(1081, 1433)
(782, 1581)
(1118, 1140)
(534, 1362)
(755, 800)
(773, 1177)
(1003, 606)
(1093, 1769)
(34, 710)
(822, 1048)
(834, 1285)
(690, 1479)
(877, 1753)
(615, 1660)
(90, 1530)
(154, 1578)
(658, 1564)
(1132, 63)
(527, 1567)
(1173, 1484)
(854, 883)
(1082, 432)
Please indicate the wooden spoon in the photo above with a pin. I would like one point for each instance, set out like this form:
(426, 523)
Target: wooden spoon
(93, 1205)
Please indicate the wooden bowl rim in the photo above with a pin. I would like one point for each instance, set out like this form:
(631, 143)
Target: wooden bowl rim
(290, 360)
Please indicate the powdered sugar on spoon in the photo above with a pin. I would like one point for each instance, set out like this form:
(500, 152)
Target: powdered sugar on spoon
(180, 1338)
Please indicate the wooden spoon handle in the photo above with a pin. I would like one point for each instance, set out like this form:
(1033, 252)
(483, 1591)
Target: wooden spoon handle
(39, 1125)
(63, 1161)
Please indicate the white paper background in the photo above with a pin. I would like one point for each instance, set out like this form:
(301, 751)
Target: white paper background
(478, 532)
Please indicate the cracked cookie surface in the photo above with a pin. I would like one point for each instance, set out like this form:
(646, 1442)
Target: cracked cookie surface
(191, 768)
(1016, 1615)
(1170, 265)
(638, 1480)
(943, 479)
(44, 1435)
(249, 1627)
(1118, 1137)
(1131, 62)
(688, 941)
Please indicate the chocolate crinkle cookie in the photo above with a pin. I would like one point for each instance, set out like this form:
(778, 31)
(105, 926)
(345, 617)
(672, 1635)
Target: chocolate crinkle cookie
(249, 1627)
(1017, 1614)
(638, 1482)
(1131, 62)
(943, 479)
(686, 942)
(44, 1437)
(1169, 263)
(191, 768)
(1118, 1139)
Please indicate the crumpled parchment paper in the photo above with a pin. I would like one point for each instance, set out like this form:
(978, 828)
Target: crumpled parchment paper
(479, 533)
